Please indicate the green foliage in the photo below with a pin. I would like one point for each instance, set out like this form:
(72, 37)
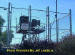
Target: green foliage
(4, 36)
(1, 21)
(67, 47)
(1, 24)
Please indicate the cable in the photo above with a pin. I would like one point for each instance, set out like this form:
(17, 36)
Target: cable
(59, 19)
(39, 10)
(60, 33)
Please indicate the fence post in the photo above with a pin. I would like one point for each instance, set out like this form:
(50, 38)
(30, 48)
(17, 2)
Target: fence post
(48, 32)
(70, 23)
(9, 24)
(57, 30)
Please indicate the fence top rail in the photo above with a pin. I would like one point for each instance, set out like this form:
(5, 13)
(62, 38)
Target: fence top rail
(34, 10)
(40, 10)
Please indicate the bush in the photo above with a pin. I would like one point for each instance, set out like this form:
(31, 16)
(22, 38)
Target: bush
(66, 46)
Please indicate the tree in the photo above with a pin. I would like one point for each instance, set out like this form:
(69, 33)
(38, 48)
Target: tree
(1, 24)
(67, 47)
(4, 37)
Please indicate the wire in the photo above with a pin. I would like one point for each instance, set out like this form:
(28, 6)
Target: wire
(11, 26)
(19, 8)
(61, 29)
(39, 10)
(61, 32)
(59, 19)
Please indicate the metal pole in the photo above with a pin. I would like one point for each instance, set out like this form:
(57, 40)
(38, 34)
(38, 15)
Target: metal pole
(10, 13)
(56, 24)
(16, 25)
(29, 13)
(50, 31)
(48, 25)
(9, 24)
(70, 23)
(30, 17)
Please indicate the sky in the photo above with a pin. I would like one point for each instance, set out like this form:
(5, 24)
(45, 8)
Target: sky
(63, 6)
